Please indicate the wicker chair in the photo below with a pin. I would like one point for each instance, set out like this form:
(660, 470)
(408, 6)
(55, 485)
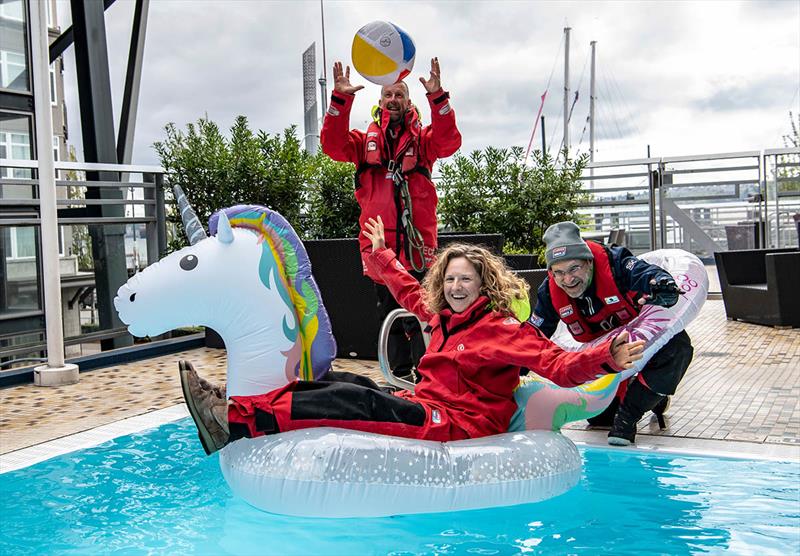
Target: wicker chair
(760, 285)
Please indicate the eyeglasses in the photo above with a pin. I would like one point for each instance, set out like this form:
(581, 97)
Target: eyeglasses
(571, 271)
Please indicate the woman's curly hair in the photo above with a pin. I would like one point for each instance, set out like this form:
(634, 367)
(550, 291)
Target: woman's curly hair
(498, 283)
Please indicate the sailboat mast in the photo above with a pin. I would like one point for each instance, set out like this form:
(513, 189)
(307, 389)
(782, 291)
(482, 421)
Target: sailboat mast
(566, 87)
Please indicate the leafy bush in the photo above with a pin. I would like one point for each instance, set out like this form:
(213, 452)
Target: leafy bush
(249, 168)
(490, 191)
(332, 208)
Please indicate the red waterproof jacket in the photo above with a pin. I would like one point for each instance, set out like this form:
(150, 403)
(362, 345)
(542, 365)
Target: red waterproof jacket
(415, 152)
(471, 367)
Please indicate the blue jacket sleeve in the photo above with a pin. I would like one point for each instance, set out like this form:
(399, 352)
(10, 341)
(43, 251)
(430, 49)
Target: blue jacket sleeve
(544, 316)
(634, 274)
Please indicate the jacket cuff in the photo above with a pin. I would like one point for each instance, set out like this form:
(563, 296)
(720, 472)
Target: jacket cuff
(379, 259)
(438, 97)
(340, 101)
(607, 362)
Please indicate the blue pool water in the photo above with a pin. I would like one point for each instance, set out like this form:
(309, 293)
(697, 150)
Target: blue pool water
(157, 493)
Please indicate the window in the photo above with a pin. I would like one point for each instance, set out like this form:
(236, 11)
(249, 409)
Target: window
(56, 148)
(15, 144)
(23, 243)
(53, 96)
(12, 70)
(13, 50)
(11, 10)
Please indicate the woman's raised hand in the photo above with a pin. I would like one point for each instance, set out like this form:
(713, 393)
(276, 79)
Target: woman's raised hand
(626, 353)
(373, 229)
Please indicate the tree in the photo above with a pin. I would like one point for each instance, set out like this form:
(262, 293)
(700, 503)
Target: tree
(492, 192)
(790, 174)
(332, 209)
(249, 168)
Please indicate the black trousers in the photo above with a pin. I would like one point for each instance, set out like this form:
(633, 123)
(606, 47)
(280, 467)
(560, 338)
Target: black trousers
(666, 368)
(406, 345)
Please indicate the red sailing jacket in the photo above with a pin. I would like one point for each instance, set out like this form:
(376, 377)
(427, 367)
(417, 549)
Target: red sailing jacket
(617, 308)
(471, 367)
(415, 152)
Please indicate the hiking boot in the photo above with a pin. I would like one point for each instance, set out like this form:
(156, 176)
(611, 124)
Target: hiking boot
(208, 409)
(638, 400)
(218, 390)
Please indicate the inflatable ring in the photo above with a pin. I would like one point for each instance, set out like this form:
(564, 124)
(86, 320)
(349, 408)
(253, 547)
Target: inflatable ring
(342, 473)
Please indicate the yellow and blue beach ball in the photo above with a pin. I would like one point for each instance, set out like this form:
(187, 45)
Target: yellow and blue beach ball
(383, 53)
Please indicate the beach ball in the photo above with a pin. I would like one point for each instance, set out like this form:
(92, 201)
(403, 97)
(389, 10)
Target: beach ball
(383, 53)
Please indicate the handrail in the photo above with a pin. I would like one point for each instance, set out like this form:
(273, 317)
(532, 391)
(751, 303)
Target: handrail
(86, 166)
(383, 347)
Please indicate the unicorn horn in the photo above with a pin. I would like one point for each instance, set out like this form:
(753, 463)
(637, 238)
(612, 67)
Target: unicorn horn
(194, 229)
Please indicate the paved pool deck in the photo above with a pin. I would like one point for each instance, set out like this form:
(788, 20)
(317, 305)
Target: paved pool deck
(740, 396)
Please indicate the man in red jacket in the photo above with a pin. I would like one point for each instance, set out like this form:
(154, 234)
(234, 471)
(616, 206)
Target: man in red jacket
(394, 158)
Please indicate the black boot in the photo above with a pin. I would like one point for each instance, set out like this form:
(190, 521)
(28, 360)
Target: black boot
(659, 410)
(638, 400)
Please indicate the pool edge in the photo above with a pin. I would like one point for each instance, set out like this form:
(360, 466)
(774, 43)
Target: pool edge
(31, 455)
(647, 444)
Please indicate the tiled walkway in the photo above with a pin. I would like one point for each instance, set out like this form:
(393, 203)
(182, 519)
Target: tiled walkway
(743, 385)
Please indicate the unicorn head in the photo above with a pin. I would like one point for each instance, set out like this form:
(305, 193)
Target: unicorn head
(244, 281)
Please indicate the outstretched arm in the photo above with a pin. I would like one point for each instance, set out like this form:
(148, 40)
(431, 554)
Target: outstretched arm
(337, 140)
(527, 347)
(382, 262)
(441, 138)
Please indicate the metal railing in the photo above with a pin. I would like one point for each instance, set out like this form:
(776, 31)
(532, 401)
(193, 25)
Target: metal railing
(702, 203)
(128, 197)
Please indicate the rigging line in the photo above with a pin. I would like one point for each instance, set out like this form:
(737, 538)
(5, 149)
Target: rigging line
(541, 104)
(624, 102)
(612, 105)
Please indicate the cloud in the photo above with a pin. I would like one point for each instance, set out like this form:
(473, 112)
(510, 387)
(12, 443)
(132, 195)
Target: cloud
(684, 77)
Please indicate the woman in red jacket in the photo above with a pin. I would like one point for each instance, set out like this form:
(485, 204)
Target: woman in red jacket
(468, 373)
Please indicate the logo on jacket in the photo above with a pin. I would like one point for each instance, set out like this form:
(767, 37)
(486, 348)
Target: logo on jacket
(612, 299)
(399, 265)
(372, 146)
(372, 134)
(565, 311)
(559, 252)
(630, 264)
(410, 151)
(576, 328)
(436, 417)
(333, 111)
(536, 320)
(460, 347)
(510, 320)
(444, 109)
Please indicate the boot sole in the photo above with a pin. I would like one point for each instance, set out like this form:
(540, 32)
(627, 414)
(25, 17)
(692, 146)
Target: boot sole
(202, 432)
(616, 441)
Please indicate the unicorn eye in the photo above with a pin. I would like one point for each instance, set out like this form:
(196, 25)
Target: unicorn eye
(189, 262)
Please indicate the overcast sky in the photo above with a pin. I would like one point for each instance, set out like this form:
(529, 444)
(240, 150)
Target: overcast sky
(682, 77)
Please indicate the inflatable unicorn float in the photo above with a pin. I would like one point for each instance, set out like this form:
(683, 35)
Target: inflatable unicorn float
(250, 280)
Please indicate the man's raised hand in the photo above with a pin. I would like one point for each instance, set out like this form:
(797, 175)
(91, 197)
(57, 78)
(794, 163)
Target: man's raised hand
(435, 82)
(341, 80)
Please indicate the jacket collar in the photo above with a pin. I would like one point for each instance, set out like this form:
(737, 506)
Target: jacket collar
(473, 312)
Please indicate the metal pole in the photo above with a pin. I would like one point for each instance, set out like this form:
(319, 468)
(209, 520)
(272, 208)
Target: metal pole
(544, 145)
(161, 217)
(133, 79)
(591, 115)
(566, 87)
(55, 372)
(324, 79)
(591, 105)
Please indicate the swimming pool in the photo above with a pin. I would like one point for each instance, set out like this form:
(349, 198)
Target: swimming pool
(156, 492)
